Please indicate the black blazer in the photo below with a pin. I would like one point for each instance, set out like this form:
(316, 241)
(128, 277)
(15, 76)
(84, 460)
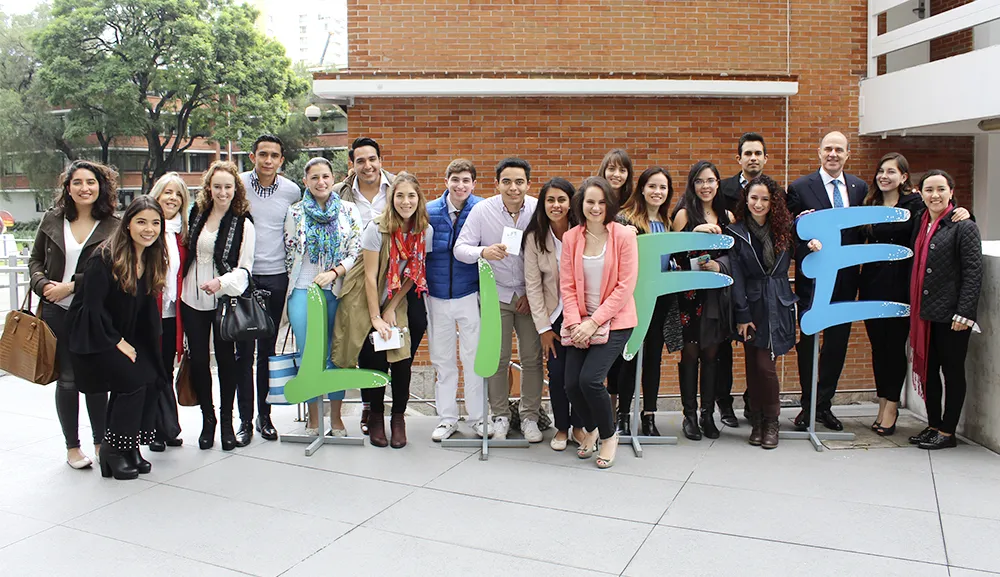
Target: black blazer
(808, 193)
(732, 192)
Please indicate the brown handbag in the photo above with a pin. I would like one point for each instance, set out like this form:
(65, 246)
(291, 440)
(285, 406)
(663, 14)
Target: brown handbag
(28, 346)
(186, 396)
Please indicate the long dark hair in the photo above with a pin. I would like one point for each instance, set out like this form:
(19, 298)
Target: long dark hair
(540, 223)
(778, 215)
(119, 249)
(874, 196)
(635, 210)
(107, 195)
(621, 158)
(692, 204)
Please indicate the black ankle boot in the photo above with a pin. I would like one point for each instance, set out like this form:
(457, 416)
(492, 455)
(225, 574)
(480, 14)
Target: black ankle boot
(245, 434)
(690, 428)
(114, 462)
(135, 460)
(158, 446)
(207, 438)
(624, 424)
(649, 425)
(709, 375)
(226, 433)
(707, 423)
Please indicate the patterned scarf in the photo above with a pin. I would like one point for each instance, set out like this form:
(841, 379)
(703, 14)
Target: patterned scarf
(411, 245)
(763, 235)
(920, 330)
(323, 231)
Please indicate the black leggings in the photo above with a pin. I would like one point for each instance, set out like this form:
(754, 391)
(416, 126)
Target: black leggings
(946, 354)
(235, 362)
(585, 373)
(399, 373)
(889, 365)
(691, 354)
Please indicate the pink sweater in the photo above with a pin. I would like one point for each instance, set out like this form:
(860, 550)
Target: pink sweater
(621, 269)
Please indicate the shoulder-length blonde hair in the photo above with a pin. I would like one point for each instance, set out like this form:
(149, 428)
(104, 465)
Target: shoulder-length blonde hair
(240, 205)
(392, 219)
(178, 182)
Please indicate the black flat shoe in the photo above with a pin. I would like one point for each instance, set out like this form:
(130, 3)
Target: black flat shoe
(829, 420)
(135, 460)
(708, 425)
(649, 426)
(939, 441)
(266, 429)
(245, 434)
(207, 438)
(177, 442)
(729, 417)
(690, 428)
(158, 446)
(922, 436)
(624, 425)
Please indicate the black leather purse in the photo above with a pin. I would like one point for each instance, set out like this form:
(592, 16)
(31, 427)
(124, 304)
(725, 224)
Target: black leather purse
(245, 317)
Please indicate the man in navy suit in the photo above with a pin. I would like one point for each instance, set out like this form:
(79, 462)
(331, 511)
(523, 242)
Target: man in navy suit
(829, 187)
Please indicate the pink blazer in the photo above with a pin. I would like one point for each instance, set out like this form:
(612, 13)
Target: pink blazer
(621, 269)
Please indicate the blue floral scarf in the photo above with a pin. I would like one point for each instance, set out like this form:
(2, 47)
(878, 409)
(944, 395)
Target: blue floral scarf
(323, 230)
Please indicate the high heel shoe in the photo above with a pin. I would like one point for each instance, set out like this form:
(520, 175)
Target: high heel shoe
(604, 463)
(226, 433)
(588, 446)
(649, 425)
(115, 464)
(888, 431)
(624, 425)
(135, 460)
(207, 438)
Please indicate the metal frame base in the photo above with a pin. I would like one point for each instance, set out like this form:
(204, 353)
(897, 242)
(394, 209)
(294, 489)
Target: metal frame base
(816, 438)
(638, 440)
(317, 441)
(486, 444)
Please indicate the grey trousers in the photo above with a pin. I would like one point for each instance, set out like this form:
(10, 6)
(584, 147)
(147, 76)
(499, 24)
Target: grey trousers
(529, 348)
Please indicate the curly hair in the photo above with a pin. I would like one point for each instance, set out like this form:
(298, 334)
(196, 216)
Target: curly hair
(240, 205)
(778, 215)
(107, 196)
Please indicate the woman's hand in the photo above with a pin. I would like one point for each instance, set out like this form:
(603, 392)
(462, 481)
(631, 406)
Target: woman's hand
(57, 291)
(126, 349)
(211, 287)
(960, 214)
(632, 228)
(389, 316)
(957, 326)
(548, 339)
(325, 279)
(815, 245)
(710, 266)
(709, 228)
(382, 327)
(583, 331)
(744, 330)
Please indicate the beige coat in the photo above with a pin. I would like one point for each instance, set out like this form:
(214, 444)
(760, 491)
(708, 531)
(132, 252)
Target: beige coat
(353, 323)
(541, 280)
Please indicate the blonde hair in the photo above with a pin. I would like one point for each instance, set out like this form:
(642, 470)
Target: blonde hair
(392, 219)
(240, 205)
(176, 180)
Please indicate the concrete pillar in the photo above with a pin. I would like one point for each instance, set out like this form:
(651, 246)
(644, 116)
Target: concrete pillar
(986, 185)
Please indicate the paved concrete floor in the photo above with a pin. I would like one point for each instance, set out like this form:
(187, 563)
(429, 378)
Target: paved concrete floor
(698, 508)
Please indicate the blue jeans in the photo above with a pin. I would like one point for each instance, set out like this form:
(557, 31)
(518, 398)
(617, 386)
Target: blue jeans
(297, 317)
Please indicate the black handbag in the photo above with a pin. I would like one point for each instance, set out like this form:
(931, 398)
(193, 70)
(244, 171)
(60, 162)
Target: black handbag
(245, 317)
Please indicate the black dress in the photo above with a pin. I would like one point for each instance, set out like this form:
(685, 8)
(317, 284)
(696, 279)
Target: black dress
(705, 314)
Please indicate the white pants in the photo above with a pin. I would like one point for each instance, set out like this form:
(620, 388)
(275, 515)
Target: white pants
(442, 316)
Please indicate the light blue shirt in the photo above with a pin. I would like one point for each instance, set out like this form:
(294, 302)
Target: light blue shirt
(484, 227)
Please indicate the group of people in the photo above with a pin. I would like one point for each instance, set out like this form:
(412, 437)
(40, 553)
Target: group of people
(128, 297)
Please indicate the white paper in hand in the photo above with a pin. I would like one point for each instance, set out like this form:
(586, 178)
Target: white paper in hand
(512, 239)
(392, 343)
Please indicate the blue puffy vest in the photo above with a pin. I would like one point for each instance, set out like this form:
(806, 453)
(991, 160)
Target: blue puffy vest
(448, 277)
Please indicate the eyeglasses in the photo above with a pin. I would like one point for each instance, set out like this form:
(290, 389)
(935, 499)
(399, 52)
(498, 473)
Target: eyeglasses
(710, 182)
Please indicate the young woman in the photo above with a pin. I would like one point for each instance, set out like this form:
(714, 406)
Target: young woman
(173, 196)
(597, 275)
(542, 247)
(83, 217)
(114, 332)
(890, 281)
(648, 210)
(944, 294)
(763, 301)
(219, 261)
(393, 247)
(705, 314)
(322, 244)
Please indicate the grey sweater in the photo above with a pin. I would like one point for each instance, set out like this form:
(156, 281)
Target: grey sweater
(269, 223)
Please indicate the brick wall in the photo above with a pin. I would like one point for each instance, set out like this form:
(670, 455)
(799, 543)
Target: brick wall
(955, 43)
(569, 136)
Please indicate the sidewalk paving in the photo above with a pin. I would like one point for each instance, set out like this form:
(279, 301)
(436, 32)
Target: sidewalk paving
(698, 508)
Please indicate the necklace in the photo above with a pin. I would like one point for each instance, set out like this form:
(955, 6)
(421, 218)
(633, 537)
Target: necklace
(594, 236)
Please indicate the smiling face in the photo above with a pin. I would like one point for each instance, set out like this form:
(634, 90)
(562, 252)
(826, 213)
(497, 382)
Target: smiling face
(319, 181)
(833, 153)
(617, 175)
(752, 158)
(759, 202)
(889, 176)
(556, 204)
(513, 185)
(223, 189)
(656, 189)
(84, 188)
(367, 165)
(706, 185)
(405, 199)
(171, 200)
(461, 185)
(267, 160)
(594, 205)
(144, 228)
(936, 194)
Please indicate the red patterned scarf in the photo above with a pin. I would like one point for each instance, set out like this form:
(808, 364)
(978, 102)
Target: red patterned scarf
(920, 330)
(412, 246)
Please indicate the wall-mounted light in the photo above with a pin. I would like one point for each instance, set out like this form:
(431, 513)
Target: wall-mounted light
(990, 124)
(921, 9)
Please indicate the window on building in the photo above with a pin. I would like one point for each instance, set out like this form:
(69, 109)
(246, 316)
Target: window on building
(198, 162)
(125, 198)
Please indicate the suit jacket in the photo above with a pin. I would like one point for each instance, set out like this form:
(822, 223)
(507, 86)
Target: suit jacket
(732, 192)
(541, 280)
(808, 193)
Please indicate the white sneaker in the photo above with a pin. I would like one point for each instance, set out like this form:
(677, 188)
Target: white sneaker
(500, 427)
(530, 430)
(443, 431)
(478, 427)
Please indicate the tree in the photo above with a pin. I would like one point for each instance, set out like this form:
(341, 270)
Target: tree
(169, 71)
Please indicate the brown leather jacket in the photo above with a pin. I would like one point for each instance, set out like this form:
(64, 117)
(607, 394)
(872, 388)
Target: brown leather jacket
(48, 255)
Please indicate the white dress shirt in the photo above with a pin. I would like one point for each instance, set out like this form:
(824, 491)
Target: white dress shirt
(370, 210)
(828, 185)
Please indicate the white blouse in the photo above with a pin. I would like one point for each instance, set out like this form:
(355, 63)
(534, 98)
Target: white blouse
(593, 274)
(203, 270)
(73, 251)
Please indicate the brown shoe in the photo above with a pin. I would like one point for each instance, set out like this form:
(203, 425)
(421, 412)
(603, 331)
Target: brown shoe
(364, 421)
(769, 438)
(398, 425)
(376, 430)
(756, 429)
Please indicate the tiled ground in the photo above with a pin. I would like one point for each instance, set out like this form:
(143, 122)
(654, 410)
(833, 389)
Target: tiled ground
(698, 508)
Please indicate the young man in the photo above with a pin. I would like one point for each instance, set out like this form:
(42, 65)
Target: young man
(829, 187)
(482, 236)
(751, 154)
(453, 298)
(270, 196)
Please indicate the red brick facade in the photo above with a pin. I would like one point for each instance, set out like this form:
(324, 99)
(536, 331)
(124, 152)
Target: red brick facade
(821, 45)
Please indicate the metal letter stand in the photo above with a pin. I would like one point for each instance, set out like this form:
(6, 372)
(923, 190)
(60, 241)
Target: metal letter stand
(485, 442)
(317, 441)
(810, 433)
(637, 440)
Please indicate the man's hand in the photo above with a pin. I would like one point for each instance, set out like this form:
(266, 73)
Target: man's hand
(523, 307)
(495, 252)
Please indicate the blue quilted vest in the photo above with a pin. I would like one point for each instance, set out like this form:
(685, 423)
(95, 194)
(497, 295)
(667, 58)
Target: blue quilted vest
(448, 277)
